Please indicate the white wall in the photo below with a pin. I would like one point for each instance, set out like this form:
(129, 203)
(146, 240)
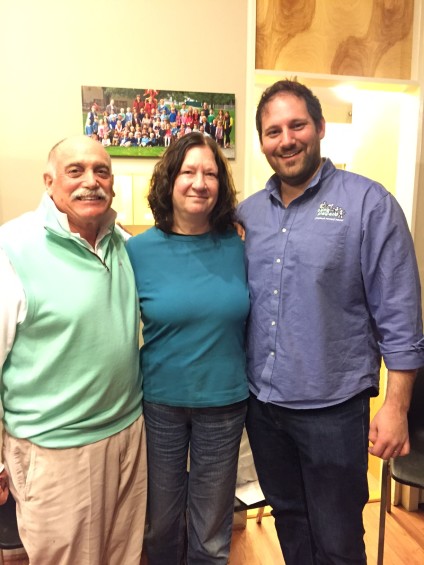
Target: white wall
(50, 49)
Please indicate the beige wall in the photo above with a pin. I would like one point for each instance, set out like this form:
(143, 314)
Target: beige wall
(49, 49)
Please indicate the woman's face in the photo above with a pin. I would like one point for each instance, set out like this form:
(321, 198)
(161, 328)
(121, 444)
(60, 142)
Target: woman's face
(196, 187)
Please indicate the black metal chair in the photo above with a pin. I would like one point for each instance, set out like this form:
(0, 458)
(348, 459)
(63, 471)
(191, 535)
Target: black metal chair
(9, 535)
(408, 470)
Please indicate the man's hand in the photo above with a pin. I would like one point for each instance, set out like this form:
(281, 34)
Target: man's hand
(389, 433)
(240, 230)
(389, 429)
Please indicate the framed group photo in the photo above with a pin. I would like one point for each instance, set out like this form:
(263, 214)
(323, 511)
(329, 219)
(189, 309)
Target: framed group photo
(143, 122)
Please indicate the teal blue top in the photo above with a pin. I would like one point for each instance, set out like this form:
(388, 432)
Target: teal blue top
(72, 375)
(194, 303)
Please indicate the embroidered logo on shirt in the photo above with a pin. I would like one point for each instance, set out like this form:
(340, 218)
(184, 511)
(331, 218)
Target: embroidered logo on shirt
(330, 212)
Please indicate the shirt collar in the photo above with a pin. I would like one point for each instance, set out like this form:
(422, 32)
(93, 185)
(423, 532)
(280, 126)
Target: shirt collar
(57, 221)
(273, 184)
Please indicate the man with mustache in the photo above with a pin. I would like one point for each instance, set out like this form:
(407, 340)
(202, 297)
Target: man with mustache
(334, 287)
(74, 441)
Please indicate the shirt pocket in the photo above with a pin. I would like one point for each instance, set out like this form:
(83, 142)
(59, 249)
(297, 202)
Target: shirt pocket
(323, 245)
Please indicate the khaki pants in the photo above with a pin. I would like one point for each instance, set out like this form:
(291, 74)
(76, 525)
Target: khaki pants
(83, 505)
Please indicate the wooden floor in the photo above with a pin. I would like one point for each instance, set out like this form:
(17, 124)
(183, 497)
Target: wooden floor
(404, 540)
(257, 544)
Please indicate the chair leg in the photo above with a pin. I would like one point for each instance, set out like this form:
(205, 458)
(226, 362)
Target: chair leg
(260, 514)
(389, 488)
(385, 477)
(1, 557)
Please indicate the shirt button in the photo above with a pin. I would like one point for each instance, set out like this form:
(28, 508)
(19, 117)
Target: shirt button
(273, 353)
(278, 260)
(272, 323)
(275, 291)
(284, 230)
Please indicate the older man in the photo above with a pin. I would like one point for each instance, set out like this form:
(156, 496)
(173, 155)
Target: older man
(74, 442)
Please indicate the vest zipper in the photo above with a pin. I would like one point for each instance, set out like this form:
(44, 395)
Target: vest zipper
(100, 259)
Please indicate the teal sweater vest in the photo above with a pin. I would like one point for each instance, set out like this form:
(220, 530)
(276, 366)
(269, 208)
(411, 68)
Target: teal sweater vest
(72, 375)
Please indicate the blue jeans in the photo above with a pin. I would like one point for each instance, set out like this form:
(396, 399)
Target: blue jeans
(312, 468)
(190, 515)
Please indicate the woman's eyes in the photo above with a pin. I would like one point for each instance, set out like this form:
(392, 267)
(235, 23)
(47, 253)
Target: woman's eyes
(209, 174)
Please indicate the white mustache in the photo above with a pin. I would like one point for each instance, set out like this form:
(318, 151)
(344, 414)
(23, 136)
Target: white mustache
(91, 193)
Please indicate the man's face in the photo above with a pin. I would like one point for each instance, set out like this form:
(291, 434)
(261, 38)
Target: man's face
(290, 139)
(80, 182)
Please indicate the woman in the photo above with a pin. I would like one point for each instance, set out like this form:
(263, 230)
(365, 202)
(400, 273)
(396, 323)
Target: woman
(191, 281)
(228, 126)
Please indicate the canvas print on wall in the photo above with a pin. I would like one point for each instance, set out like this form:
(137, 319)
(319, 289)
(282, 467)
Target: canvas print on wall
(143, 122)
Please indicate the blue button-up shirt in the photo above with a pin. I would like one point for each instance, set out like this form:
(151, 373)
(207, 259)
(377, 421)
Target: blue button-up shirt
(334, 285)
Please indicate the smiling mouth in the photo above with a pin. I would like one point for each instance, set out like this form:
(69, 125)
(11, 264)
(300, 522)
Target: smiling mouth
(89, 198)
(289, 155)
